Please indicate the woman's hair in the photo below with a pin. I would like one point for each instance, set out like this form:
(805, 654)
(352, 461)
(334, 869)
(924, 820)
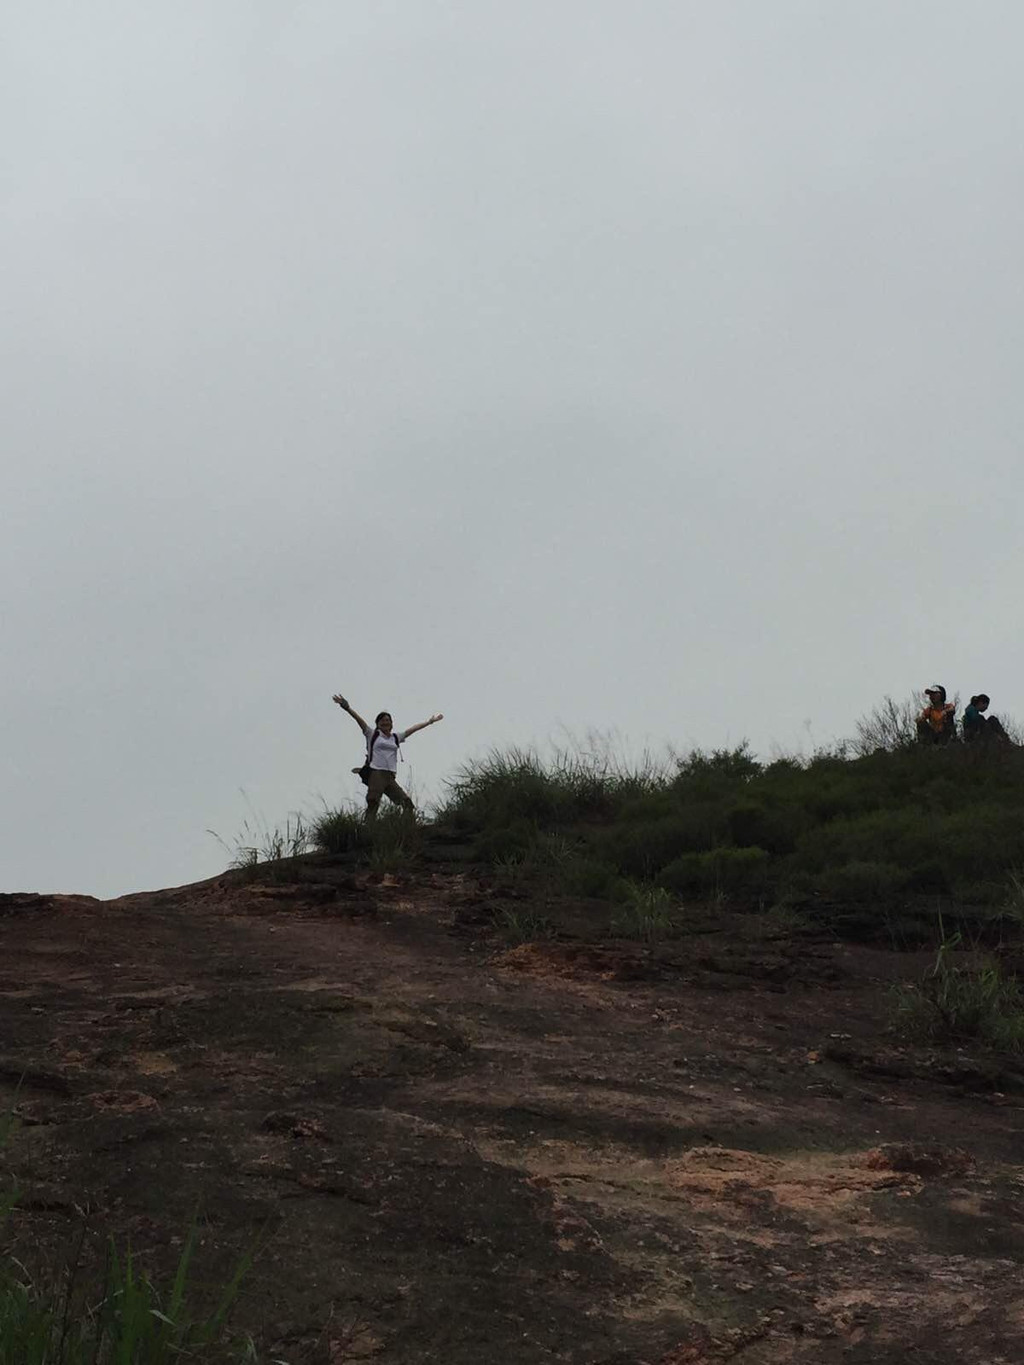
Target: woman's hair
(980, 700)
(383, 715)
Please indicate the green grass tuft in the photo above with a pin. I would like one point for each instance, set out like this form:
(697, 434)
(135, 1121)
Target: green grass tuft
(649, 913)
(337, 831)
(963, 1002)
(260, 842)
(122, 1317)
(522, 925)
(119, 1315)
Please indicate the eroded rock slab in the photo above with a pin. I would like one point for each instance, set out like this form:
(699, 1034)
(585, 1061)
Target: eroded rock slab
(456, 1150)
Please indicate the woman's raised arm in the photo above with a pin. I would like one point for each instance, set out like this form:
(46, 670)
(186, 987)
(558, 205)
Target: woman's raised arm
(423, 725)
(354, 714)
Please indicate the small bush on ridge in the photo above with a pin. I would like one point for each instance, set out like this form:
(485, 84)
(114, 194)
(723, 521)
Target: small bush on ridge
(337, 831)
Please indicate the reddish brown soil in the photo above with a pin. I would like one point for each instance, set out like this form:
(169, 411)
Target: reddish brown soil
(457, 1150)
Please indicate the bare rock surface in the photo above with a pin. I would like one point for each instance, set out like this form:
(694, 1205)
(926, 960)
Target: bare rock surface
(453, 1149)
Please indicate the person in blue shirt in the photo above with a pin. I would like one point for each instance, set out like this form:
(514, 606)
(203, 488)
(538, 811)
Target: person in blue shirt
(977, 725)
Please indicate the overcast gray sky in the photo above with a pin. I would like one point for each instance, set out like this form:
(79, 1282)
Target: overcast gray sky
(561, 364)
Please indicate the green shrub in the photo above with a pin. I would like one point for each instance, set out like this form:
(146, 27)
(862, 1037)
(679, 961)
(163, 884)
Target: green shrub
(642, 850)
(929, 877)
(900, 837)
(898, 820)
(775, 827)
(688, 875)
(981, 891)
(941, 796)
(863, 881)
(522, 851)
(646, 807)
(512, 841)
(585, 877)
(932, 851)
(702, 776)
(562, 864)
(981, 839)
(720, 870)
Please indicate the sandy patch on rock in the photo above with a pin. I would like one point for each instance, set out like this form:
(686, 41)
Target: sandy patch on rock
(564, 961)
(122, 1101)
(152, 1063)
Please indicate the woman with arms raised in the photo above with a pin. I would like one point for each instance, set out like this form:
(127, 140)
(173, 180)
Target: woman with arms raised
(382, 747)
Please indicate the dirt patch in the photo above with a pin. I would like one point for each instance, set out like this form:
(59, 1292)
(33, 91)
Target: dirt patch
(917, 1159)
(122, 1102)
(567, 962)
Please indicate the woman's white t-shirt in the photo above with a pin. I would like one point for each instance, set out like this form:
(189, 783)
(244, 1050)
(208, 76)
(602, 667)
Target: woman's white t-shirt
(385, 749)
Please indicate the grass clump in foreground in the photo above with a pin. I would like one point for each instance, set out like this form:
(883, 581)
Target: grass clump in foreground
(121, 1317)
(963, 1002)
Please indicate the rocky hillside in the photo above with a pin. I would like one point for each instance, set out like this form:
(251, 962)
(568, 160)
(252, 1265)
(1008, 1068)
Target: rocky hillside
(458, 1134)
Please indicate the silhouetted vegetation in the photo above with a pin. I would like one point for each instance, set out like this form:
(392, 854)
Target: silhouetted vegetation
(886, 836)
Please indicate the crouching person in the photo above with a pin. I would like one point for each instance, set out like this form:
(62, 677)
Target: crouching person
(937, 722)
(383, 747)
(978, 726)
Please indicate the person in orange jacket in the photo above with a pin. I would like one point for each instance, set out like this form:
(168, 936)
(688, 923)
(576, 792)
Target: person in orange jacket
(937, 722)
